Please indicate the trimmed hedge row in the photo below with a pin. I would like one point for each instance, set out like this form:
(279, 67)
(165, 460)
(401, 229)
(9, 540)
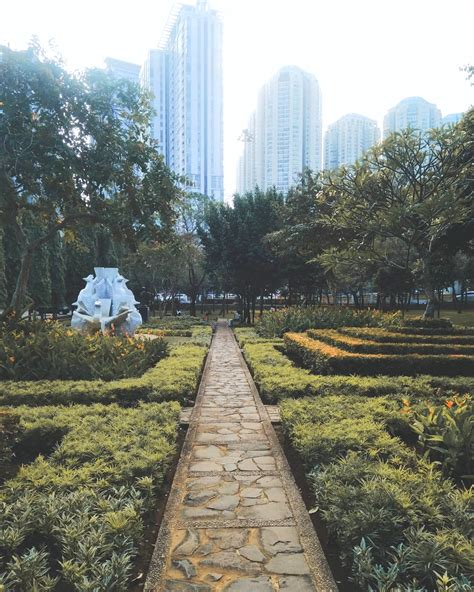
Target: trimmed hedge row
(74, 520)
(369, 346)
(322, 358)
(398, 522)
(173, 378)
(455, 330)
(385, 336)
(278, 378)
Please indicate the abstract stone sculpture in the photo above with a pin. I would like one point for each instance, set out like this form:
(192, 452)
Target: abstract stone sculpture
(106, 304)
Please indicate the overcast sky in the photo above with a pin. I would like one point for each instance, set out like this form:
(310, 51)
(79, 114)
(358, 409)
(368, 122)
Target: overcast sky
(366, 54)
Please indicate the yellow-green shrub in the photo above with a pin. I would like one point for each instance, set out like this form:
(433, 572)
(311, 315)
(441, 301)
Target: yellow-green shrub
(277, 378)
(385, 336)
(364, 344)
(173, 378)
(83, 505)
(322, 358)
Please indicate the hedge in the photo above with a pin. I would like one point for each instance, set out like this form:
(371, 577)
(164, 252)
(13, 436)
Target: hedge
(173, 378)
(385, 336)
(74, 520)
(394, 517)
(456, 330)
(366, 345)
(278, 378)
(322, 358)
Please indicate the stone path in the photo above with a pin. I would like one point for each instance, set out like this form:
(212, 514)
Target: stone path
(234, 521)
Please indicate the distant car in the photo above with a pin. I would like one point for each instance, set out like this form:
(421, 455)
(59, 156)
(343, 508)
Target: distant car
(469, 296)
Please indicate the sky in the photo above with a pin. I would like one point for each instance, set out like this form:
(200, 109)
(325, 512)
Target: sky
(366, 54)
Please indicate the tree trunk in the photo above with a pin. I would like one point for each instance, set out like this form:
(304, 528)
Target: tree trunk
(17, 304)
(192, 306)
(432, 303)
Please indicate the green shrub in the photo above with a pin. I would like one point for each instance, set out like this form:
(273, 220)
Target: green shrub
(322, 358)
(455, 330)
(278, 378)
(385, 336)
(446, 433)
(365, 428)
(49, 350)
(298, 319)
(174, 323)
(74, 520)
(428, 323)
(388, 504)
(365, 344)
(173, 378)
(384, 505)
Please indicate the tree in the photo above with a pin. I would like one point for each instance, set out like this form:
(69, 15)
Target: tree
(234, 240)
(75, 151)
(404, 197)
(3, 279)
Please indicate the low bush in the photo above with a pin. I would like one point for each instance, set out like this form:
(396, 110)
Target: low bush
(446, 434)
(174, 323)
(173, 378)
(278, 378)
(322, 358)
(368, 346)
(74, 520)
(384, 336)
(428, 323)
(298, 318)
(380, 500)
(48, 350)
(455, 330)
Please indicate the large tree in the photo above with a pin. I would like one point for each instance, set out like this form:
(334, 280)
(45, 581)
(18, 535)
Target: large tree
(397, 206)
(75, 151)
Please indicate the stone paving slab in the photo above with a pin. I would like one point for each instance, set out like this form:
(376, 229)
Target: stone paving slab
(235, 521)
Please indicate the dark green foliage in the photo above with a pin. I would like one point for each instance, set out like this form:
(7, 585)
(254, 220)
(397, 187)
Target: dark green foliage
(57, 271)
(42, 350)
(299, 318)
(74, 520)
(386, 336)
(428, 323)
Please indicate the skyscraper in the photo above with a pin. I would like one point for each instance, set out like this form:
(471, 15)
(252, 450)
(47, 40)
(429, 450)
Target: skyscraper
(122, 69)
(348, 138)
(185, 76)
(285, 135)
(413, 112)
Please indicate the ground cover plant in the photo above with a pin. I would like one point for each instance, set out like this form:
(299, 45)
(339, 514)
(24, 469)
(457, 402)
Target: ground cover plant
(322, 358)
(73, 517)
(174, 323)
(172, 378)
(400, 524)
(301, 318)
(49, 350)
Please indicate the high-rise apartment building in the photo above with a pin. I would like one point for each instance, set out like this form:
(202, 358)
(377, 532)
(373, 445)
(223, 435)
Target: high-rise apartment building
(452, 118)
(413, 112)
(122, 69)
(348, 138)
(284, 135)
(185, 76)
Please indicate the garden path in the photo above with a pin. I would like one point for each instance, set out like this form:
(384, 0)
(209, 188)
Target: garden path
(235, 520)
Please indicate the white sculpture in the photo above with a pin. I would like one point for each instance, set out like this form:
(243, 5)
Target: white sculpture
(106, 304)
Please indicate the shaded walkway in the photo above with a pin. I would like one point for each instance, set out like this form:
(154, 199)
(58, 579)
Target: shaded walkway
(235, 520)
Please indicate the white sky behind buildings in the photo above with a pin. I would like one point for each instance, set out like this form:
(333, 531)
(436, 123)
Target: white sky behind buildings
(366, 54)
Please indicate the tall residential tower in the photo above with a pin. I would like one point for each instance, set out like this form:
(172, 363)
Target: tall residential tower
(413, 112)
(348, 138)
(185, 76)
(284, 135)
